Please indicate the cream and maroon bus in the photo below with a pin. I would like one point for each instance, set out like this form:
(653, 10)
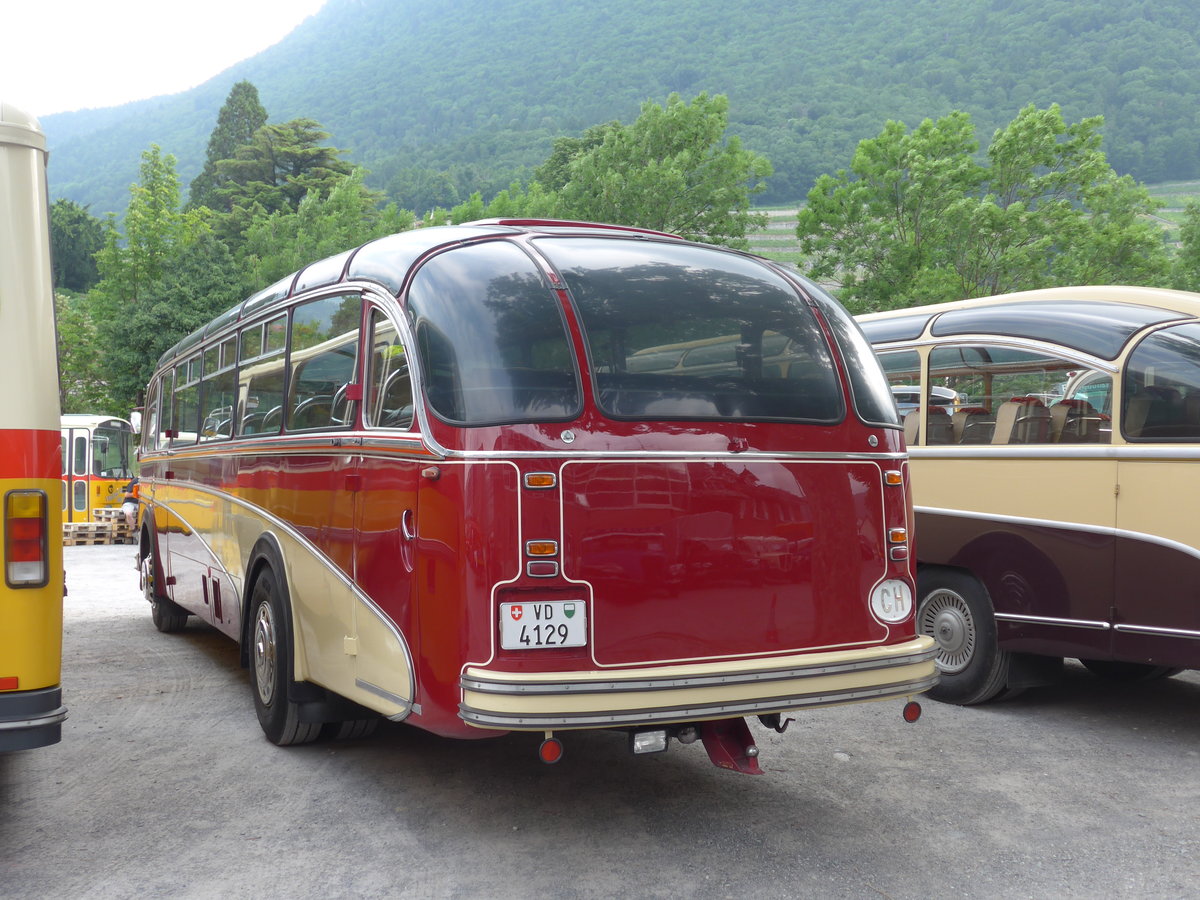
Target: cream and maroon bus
(441, 479)
(31, 710)
(1052, 495)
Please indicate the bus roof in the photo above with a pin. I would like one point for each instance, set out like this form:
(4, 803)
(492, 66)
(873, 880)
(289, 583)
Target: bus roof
(387, 261)
(1097, 320)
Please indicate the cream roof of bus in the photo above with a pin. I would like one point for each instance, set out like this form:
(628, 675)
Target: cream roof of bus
(1097, 320)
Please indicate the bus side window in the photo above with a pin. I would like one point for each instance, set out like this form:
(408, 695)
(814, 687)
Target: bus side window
(187, 402)
(390, 388)
(162, 438)
(323, 359)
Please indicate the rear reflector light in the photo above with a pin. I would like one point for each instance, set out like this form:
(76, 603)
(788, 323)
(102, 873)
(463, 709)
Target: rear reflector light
(25, 539)
(9, 683)
(541, 548)
(893, 478)
(540, 480)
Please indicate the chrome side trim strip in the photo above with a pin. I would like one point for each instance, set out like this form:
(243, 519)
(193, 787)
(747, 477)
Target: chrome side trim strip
(486, 718)
(386, 695)
(1159, 632)
(527, 688)
(1124, 452)
(1049, 620)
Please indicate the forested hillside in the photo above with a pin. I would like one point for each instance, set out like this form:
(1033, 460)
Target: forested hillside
(474, 91)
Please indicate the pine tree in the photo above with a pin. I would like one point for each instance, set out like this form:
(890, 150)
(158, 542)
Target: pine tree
(240, 117)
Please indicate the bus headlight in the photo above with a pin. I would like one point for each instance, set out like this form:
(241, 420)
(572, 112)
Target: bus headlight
(892, 601)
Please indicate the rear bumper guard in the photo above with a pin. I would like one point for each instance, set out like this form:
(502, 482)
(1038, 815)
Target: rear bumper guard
(598, 699)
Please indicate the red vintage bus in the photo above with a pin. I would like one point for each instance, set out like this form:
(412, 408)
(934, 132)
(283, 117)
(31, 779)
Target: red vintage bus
(536, 476)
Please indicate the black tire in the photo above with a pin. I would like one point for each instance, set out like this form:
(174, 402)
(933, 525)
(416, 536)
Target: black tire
(271, 666)
(955, 611)
(1128, 672)
(168, 616)
(350, 730)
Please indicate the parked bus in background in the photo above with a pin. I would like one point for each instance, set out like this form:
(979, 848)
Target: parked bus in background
(1051, 497)
(438, 479)
(31, 710)
(97, 464)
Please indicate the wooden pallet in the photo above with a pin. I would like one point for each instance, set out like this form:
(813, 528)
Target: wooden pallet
(77, 534)
(122, 533)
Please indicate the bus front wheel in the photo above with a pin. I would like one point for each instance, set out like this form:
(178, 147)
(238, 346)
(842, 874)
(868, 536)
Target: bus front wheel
(271, 667)
(955, 611)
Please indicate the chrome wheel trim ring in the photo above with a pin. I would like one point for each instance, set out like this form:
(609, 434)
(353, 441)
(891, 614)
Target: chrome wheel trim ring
(264, 654)
(946, 617)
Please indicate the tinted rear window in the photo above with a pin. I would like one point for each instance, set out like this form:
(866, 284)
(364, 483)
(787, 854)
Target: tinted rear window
(683, 332)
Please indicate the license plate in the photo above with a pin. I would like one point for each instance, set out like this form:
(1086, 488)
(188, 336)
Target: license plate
(543, 623)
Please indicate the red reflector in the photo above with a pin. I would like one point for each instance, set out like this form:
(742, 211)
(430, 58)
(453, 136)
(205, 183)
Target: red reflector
(912, 711)
(551, 750)
(9, 683)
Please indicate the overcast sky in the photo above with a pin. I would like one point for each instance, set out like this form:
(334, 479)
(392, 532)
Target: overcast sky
(61, 55)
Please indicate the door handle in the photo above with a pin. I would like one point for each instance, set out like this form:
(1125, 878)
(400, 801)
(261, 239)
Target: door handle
(408, 525)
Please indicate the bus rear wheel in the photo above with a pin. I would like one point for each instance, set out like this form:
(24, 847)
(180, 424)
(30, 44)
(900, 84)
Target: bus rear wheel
(955, 611)
(168, 616)
(271, 667)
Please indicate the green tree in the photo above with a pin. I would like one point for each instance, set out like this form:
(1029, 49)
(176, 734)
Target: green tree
(239, 118)
(282, 242)
(555, 172)
(136, 270)
(917, 220)
(673, 169)
(75, 237)
(279, 167)
(1185, 268)
(81, 388)
(513, 203)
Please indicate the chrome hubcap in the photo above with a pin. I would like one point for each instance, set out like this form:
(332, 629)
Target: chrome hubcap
(264, 653)
(946, 617)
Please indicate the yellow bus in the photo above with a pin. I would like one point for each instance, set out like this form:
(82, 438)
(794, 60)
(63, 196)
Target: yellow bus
(31, 710)
(1051, 464)
(97, 464)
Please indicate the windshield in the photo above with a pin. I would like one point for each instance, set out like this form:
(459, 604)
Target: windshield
(111, 450)
(678, 331)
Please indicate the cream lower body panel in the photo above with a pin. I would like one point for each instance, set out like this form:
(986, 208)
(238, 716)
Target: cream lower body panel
(341, 639)
(522, 701)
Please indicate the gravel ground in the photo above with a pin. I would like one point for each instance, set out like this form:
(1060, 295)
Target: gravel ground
(164, 786)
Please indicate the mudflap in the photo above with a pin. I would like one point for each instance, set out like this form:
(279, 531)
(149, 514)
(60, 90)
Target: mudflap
(730, 746)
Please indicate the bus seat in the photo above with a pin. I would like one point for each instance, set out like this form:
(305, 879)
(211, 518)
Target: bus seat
(1152, 411)
(1022, 420)
(972, 425)
(941, 426)
(1074, 421)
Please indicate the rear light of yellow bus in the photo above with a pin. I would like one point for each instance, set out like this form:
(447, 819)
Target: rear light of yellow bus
(26, 545)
